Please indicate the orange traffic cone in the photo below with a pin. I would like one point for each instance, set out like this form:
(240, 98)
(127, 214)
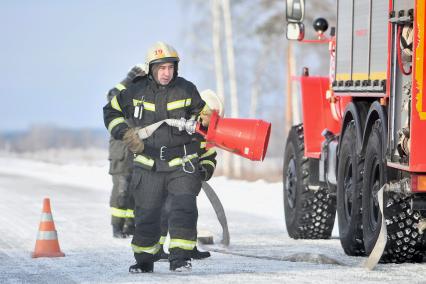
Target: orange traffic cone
(248, 138)
(47, 244)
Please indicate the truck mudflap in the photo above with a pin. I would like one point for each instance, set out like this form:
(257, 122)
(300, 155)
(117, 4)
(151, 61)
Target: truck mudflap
(398, 228)
(380, 245)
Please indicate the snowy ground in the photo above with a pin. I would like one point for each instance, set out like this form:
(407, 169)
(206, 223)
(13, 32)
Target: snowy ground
(79, 192)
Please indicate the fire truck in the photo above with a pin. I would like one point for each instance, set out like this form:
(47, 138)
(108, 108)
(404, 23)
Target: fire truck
(360, 150)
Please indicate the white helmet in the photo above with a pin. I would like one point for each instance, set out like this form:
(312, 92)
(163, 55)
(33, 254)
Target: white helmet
(213, 101)
(160, 52)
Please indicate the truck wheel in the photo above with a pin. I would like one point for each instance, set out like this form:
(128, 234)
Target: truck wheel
(349, 185)
(309, 214)
(403, 241)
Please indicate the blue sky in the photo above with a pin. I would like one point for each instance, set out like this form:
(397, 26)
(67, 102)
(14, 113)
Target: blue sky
(59, 58)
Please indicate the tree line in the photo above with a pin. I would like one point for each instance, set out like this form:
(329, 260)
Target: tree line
(41, 137)
(241, 48)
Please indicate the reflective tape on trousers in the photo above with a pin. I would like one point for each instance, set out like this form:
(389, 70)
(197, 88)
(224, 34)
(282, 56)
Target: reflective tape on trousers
(183, 244)
(130, 214)
(151, 250)
(47, 235)
(119, 213)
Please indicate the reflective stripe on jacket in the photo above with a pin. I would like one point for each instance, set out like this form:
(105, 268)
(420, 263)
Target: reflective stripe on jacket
(178, 99)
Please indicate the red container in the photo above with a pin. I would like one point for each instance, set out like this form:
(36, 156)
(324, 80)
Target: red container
(248, 138)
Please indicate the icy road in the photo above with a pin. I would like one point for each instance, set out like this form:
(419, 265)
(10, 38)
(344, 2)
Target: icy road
(260, 250)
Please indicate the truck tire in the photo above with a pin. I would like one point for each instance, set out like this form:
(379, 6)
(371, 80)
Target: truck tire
(349, 186)
(403, 240)
(309, 214)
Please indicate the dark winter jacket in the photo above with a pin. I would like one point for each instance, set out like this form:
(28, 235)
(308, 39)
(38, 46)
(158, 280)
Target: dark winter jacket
(178, 99)
(120, 158)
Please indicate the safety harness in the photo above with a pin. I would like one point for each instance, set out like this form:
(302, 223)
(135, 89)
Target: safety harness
(178, 155)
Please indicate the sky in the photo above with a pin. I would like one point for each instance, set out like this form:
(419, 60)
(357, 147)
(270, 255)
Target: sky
(59, 58)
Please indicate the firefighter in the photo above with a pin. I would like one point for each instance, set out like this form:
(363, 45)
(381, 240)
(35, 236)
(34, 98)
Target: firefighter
(166, 164)
(121, 163)
(120, 170)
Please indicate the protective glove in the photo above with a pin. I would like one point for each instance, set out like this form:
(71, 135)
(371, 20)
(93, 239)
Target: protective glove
(132, 140)
(205, 116)
(135, 71)
(206, 172)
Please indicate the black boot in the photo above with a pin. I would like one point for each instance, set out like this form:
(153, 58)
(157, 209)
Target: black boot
(161, 255)
(118, 233)
(196, 254)
(143, 267)
(181, 265)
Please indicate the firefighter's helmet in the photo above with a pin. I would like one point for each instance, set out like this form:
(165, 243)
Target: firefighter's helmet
(407, 35)
(160, 52)
(213, 101)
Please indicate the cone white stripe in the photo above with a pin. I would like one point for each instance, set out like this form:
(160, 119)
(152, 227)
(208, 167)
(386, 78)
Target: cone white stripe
(47, 235)
(46, 217)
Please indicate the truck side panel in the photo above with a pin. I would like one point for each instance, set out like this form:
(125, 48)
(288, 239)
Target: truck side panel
(344, 41)
(379, 42)
(418, 103)
(316, 114)
(361, 37)
(362, 45)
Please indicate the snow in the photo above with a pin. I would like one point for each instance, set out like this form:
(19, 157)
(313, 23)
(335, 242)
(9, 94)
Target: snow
(260, 250)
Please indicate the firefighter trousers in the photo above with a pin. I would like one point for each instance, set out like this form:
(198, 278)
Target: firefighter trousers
(150, 190)
(120, 200)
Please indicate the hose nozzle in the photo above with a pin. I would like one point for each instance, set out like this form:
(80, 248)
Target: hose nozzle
(183, 124)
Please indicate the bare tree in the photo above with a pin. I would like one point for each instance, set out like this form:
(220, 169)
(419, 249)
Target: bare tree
(231, 73)
(217, 51)
(260, 67)
(258, 38)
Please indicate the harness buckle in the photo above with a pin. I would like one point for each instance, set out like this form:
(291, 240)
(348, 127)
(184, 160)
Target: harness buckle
(162, 149)
(185, 160)
(191, 168)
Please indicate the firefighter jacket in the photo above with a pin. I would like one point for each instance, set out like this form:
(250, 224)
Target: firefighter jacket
(121, 159)
(179, 99)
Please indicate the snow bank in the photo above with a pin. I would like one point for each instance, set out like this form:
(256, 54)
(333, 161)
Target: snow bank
(76, 172)
(80, 168)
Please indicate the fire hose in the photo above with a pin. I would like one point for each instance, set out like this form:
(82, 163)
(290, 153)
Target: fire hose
(183, 124)
(190, 126)
(220, 211)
